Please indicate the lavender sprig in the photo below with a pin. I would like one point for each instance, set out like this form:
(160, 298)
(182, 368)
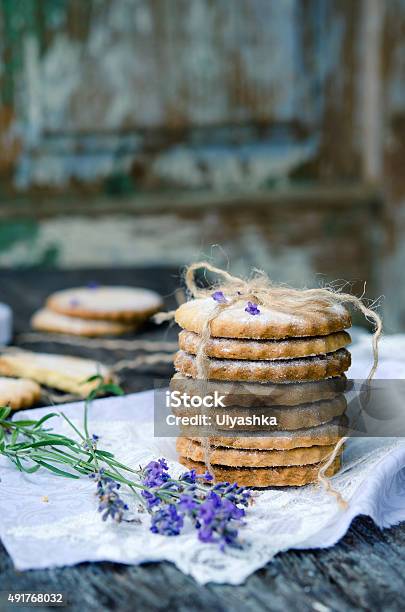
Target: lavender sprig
(216, 511)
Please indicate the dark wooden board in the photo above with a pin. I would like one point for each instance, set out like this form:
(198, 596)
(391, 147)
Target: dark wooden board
(365, 571)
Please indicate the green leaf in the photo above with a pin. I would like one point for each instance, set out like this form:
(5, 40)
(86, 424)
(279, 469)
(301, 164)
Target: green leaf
(40, 443)
(45, 418)
(24, 423)
(102, 453)
(111, 388)
(56, 470)
(72, 426)
(5, 412)
(92, 379)
(27, 470)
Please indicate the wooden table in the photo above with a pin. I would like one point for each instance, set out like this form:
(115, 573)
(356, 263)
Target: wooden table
(365, 571)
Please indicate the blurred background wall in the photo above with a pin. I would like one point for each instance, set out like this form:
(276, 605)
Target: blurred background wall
(140, 132)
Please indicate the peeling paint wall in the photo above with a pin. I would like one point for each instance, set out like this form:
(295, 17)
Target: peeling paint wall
(183, 93)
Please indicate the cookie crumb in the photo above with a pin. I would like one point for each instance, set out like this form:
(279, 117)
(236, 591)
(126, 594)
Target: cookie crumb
(45, 499)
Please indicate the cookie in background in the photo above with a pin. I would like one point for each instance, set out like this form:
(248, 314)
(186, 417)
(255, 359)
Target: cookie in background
(96, 311)
(61, 372)
(18, 393)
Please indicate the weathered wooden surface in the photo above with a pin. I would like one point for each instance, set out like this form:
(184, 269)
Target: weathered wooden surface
(363, 572)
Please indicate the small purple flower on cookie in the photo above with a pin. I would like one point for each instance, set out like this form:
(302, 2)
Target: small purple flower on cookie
(93, 284)
(74, 302)
(219, 297)
(252, 309)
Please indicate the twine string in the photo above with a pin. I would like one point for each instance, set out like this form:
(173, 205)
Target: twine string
(262, 291)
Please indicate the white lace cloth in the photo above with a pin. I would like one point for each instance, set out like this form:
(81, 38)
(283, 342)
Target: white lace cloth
(49, 521)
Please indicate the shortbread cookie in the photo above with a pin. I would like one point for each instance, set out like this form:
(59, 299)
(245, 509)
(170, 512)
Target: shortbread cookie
(253, 458)
(109, 303)
(56, 371)
(235, 322)
(292, 476)
(261, 394)
(232, 348)
(281, 370)
(49, 321)
(322, 435)
(18, 392)
(257, 419)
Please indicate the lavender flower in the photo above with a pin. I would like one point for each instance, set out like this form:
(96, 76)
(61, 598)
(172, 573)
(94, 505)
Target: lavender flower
(156, 473)
(187, 503)
(93, 284)
(91, 443)
(74, 302)
(252, 308)
(189, 477)
(217, 518)
(167, 521)
(219, 297)
(215, 510)
(110, 503)
(150, 499)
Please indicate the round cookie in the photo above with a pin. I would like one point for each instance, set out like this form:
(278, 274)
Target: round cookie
(48, 321)
(235, 322)
(56, 371)
(108, 303)
(288, 418)
(282, 370)
(253, 458)
(18, 392)
(231, 348)
(322, 435)
(262, 394)
(293, 476)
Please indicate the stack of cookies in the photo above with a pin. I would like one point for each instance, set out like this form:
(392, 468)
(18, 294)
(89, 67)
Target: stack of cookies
(96, 310)
(264, 361)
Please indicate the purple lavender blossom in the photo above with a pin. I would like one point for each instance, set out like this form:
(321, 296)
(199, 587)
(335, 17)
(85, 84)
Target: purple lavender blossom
(74, 302)
(218, 518)
(187, 503)
(215, 510)
(189, 477)
(156, 473)
(110, 503)
(151, 499)
(167, 521)
(219, 297)
(93, 284)
(252, 308)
